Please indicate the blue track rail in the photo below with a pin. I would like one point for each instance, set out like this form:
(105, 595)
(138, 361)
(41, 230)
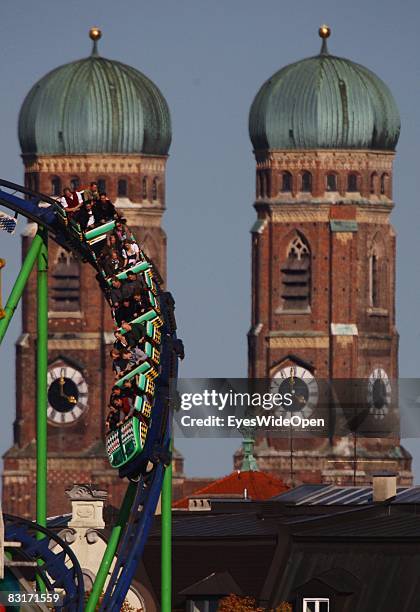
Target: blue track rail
(59, 570)
(44, 211)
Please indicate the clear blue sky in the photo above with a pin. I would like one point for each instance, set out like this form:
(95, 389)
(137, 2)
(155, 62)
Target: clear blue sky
(209, 59)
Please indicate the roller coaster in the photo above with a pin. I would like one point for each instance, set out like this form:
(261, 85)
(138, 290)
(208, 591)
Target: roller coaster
(138, 445)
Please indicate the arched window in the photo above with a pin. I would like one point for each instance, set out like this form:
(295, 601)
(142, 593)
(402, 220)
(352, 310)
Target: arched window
(101, 185)
(373, 182)
(154, 189)
(331, 182)
(374, 280)
(65, 286)
(122, 188)
(144, 188)
(75, 183)
(307, 182)
(352, 182)
(56, 186)
(287, 182)
(296, 275)
(384, 183)
(378, 274)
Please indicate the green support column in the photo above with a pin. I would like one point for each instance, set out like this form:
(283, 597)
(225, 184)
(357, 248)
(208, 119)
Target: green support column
(41, 384)
(111, 548)
(166, 541)
(20, 283)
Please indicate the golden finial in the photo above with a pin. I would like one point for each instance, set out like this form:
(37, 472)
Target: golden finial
(324, 31)
(95, 33)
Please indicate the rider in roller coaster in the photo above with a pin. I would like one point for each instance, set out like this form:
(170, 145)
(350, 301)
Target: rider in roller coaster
(127, 297)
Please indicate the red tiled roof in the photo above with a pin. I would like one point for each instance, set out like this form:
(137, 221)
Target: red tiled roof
(259, 486)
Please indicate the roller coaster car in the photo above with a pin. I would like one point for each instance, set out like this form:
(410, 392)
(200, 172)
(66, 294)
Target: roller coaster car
(132, 444)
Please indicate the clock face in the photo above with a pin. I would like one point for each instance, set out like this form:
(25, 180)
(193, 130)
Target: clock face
(67, 395)
(379, 393)
(301, 385)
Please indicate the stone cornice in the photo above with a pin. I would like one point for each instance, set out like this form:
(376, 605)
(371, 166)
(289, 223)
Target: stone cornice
(95, 164)
(325, 159)
(376, 213)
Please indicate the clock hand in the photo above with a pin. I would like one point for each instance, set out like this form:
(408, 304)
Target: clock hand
(292, 379)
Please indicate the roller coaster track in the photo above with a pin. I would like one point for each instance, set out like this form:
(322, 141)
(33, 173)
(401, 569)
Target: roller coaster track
(44, 211)
(59, 568)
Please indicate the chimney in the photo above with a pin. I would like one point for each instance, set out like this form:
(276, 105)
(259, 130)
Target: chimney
(384, 486)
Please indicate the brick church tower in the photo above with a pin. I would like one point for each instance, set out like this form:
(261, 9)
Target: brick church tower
(93, 119)
(324, 132)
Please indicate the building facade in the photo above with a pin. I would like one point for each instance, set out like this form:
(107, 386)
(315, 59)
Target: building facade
(324, 132)
(91, 120)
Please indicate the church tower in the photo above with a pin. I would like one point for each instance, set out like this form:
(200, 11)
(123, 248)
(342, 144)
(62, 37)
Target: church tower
(324, 132)
(92, 119)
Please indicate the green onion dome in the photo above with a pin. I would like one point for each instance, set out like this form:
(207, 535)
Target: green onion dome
(94, 105)
(324, 102)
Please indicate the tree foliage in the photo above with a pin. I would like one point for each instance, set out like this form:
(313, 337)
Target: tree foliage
(234, 603)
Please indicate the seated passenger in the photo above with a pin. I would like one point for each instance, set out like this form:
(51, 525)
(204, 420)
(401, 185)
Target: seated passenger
(138, 356)
(138, 307)
(134, 284)
(133, 356)
(85, 217)
(121, 231)
(116, 295)
(134, 333)
(116, 392)
(71, 200)
(120, 342)
(104, 209)
(111, 245)
(125, 312)
(113, 419)
(121, 361)
(125, 405)
(113, 264)
(130, 253)
(92, 193)
(128, 389)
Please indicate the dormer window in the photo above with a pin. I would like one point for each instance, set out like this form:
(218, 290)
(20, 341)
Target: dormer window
(316, 604)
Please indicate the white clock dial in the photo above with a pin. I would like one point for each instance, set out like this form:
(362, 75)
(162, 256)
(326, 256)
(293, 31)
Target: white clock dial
(67, 395)
(302, 386)
(379, 393)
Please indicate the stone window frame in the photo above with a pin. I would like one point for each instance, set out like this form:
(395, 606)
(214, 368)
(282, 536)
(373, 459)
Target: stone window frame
(300, 244)
(56, 186)
(303, 174)
(357, 180)
(286, 182)
(145, 187)
(122, 193)
(75, 183)
(332, 174)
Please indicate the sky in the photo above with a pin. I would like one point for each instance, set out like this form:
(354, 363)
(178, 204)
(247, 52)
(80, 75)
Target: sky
(209, 60)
